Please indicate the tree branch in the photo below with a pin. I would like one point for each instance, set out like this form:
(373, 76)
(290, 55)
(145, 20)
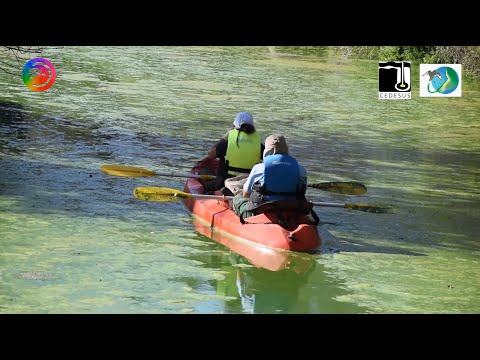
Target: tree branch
(18, 53)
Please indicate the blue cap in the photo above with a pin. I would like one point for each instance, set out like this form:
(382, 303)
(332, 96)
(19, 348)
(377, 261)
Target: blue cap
(242, 118)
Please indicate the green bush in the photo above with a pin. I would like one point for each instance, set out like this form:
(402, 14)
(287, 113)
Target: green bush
(468, 56)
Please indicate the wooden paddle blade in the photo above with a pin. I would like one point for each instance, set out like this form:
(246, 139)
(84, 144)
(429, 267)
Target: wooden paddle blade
(160, 194)
(374, 208)
(341, 187)
(128, 171)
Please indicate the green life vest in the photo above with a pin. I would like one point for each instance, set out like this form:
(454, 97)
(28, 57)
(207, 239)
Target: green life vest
(242, 158)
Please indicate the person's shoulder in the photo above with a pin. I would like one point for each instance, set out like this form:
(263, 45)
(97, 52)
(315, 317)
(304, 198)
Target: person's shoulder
(222, 141)
(258, 168)
(227, 134)
(302, 168)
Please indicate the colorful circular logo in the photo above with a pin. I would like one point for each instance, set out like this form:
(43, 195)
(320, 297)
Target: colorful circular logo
(44, 74)
(443, 80)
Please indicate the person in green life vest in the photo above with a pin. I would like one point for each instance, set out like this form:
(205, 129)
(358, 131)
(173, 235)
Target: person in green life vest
(239, 150)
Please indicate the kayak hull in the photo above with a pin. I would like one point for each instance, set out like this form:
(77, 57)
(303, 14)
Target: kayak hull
(261, 230)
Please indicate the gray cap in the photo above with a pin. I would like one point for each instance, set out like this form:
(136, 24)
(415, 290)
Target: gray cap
(242, 118)
(275, 144)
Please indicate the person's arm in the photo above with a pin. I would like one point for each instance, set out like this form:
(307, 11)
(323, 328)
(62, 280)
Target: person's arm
(212, 153)
(219, 150)
(256, 174)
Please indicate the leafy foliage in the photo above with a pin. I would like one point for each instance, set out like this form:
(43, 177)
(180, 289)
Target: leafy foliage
(468, 56)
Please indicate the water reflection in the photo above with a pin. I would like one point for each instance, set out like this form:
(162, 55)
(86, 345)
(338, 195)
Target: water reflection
(301, 285)
(258, 291)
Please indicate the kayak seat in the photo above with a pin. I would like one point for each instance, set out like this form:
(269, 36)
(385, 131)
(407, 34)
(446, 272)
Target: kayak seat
(289, 212)
(297, 206)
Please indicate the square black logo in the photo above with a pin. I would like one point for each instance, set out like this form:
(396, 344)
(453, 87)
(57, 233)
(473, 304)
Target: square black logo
(394, 80)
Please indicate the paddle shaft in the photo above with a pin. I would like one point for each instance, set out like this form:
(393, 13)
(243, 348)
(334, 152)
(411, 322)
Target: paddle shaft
(220, 197)
(193, 176)
(322, 186)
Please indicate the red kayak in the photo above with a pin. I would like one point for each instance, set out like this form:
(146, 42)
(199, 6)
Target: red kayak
(262, 231)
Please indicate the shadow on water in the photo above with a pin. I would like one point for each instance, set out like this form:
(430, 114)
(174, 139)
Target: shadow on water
(338, 245)
(12, 128)
(51, 165)
(44, 188)
(54, 137)
(441, 194)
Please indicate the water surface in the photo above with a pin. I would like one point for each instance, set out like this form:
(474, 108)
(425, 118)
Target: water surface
(74, 240)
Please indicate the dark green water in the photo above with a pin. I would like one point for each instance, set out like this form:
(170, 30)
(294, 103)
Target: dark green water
(73, 240)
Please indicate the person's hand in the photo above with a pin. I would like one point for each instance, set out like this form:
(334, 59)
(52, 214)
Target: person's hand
(306, 219)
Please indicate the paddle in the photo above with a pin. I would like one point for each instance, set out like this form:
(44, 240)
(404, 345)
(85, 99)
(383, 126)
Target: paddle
(340, 187)
(132, 171)
(161, 194)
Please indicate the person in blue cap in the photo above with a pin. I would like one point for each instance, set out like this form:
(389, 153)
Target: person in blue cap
(239, 150)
